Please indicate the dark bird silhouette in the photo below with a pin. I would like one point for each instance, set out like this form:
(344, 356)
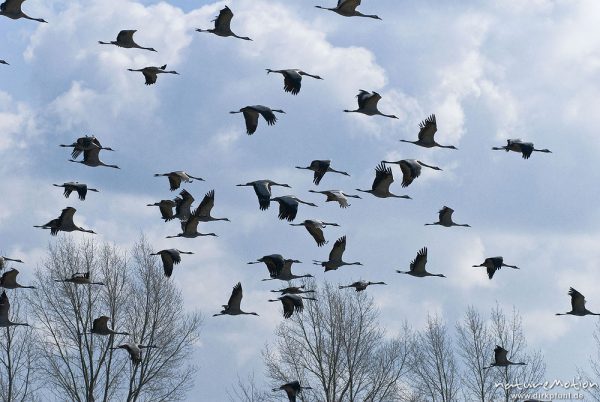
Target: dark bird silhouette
(223, 25)
(335, 256)
(4, 260)
(279, 267)
(125, 40)
(336, 195)
(4, 310)
(577, 305)
(315, 228)
(80, 278)
(91, 158)
(169, 258)
(190, 226)
(4, 62)
(100, 327)
(445, 219)
(86, 143)
(12, 10)
(381, 184)
(251, 114)
(183, 205)
(347, 8)
(428, 128)
(233, 305)
(361, 285)
(492, 264)
(166, 209)
(80, 188)
(134, 350)
(293, 290)
(417, 266)
(320, 167)
(207, 204)
(411, 169)
(291, 303)
(9, 280)
(367, 104)
(500, 359)
(292, 79)
(262, 188)
(517, 145)
(292, 389)
(288, 206)
(151, 73)
(176, 177)
(64, 223)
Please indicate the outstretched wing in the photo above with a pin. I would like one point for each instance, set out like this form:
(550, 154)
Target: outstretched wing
(317, 234)
(383, 177)
(251, 118)
(126, 36)
(150, 76)
(263, 192)
(428, 128)
(418, 264)
(338, 249)
(292, 81)
(236, 297)
(11, 6)
(207, 204)
(223, 20)
(577, 300)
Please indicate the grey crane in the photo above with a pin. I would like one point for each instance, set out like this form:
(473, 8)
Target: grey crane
(151, 73)
(176, 177)
(64, 223)
(91, 158)
(125, 40)
(4, 62)
(445, 219)
(320, 167)
(207, 204)
(86, 143)
(293, 290)
(492, 264)
(288, 206)
(335, 256)
(170, 257)
(166, 209)
(291, 303)
(262, 188)
(233, 305)
(517, 145)
(285, 273)
(427, 130)
(9, 280)
(292, 79)
(577, 305)
(417, 266)
(4, 310)
(251, 114)
(134, 349)
(190, 227)
(292, 389)
(381, 184)
(12, 10)
(359, 286)
(315, 228)
(183, 205)
(100, 327)
(223, 25)
(4, 260)
(336, 195)
(80, 278)
(411, 169)
(347, 8)
(501, 360)
(80, 188)
(367, 104)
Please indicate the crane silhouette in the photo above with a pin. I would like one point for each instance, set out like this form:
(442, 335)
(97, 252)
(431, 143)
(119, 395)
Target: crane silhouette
(5, 310)
(8, 280)
(492, 264)
(80, 188)
(176, 177)
(381, 184)
(4, 260)
(359, 286)
(417, 266)
(336, 195)
(134, 350)
(288, 206)
(292, 389)
(233, 305)
(577, 305)
(411, 169)
(12, 10)
(445, 219)
(320, 167)
(86, 143)
(151, 73)
(517, 145)
(315, 228)
(335, 256)
(100, 327)
(223, 25)
(64, 223)
(262, 188)
(251, 114)
(292, 79)
(501, 360)
(125, 40)
(292, 303)
(170, 257)
(80, 278)
(367, 104)
(428, 128)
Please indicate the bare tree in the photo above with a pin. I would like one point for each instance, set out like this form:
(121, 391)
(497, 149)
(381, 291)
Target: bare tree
(434, 367)
(474, 343)
(337, 347)
(507, 331)
(593, 377)
(18, 358)
(249, 391)
(86, 367)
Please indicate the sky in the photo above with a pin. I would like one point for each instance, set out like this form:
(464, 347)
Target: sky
(489, 70)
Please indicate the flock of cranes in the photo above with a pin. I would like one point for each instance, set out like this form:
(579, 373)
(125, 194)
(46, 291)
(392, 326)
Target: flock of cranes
(279, 268)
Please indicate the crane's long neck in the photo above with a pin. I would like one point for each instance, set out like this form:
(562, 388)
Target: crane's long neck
(510, 266)
(337, 171)
(429, 166)
(410, 142)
